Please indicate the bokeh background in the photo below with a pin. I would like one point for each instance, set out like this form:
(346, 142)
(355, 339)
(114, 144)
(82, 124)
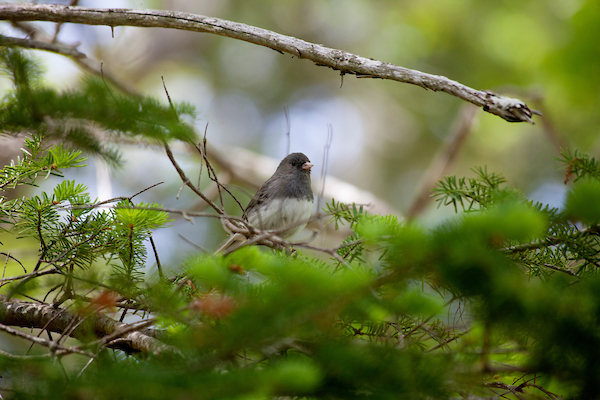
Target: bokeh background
(385, 134)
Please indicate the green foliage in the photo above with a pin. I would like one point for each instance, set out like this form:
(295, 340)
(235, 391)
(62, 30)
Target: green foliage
(471, 194)
(132, 227)
(342, 213)
(72, 234)
(26, 169)
(74, 116)
(23, 71)
(403, 311)
(36, 160)
(579, 165)
(503, 292)
(583, 202)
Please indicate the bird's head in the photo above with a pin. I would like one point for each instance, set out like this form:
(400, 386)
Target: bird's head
(295, 161)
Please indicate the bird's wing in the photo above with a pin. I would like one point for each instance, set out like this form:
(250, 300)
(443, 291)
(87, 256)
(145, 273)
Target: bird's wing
(263, 194)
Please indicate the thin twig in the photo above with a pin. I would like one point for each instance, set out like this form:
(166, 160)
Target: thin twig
(59, 48)
(201, 149)
(53, 346)
(34, 274)
(9, 256)
(566, 271)
(5, 264)
(427, 319)
(26, 357)
(189, 184)
(546, 392)
(169, 98)
(59, 25)
(288, 131)
(325, 164)
(120, 332)
(192, 243)
(85, 367)
(212, 175)
(158, 266)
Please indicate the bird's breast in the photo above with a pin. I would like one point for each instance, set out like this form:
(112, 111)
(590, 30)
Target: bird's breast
(280, 213)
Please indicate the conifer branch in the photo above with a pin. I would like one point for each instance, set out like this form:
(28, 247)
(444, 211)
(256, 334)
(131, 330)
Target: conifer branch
(551, 241)
(512, 110)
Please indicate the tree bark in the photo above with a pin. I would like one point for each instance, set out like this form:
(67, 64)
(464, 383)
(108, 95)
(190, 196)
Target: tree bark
(87, 328)
(512, 110)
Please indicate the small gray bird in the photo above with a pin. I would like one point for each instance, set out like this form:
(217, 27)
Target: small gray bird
(284, 202)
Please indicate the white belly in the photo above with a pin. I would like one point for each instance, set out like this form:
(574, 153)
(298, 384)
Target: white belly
(278, 214)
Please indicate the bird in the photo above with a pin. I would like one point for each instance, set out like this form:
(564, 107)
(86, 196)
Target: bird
(283, 203)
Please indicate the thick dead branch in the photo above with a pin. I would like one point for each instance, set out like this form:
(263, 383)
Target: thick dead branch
(512, 110)
(89, 328)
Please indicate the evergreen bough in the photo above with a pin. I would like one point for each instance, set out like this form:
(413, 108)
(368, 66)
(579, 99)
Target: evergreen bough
(504, 296)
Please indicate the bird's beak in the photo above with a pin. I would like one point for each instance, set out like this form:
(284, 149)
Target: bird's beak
(307, 166)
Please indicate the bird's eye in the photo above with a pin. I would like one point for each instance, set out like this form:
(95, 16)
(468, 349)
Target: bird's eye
(293, 163)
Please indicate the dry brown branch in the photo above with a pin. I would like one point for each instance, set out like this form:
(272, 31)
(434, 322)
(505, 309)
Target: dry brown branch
(517, 390)
(443, 160)
(188, 183)
(31, 275)
(96, 326)
(42, 41)
(512, 110)
(59, 48)
(53, 346)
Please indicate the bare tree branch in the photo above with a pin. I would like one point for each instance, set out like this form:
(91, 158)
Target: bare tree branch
(57, 349)
(58, 319)
(443, 160)
(39, 39)
(59, 48)
(189, 184)
(512, 110)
